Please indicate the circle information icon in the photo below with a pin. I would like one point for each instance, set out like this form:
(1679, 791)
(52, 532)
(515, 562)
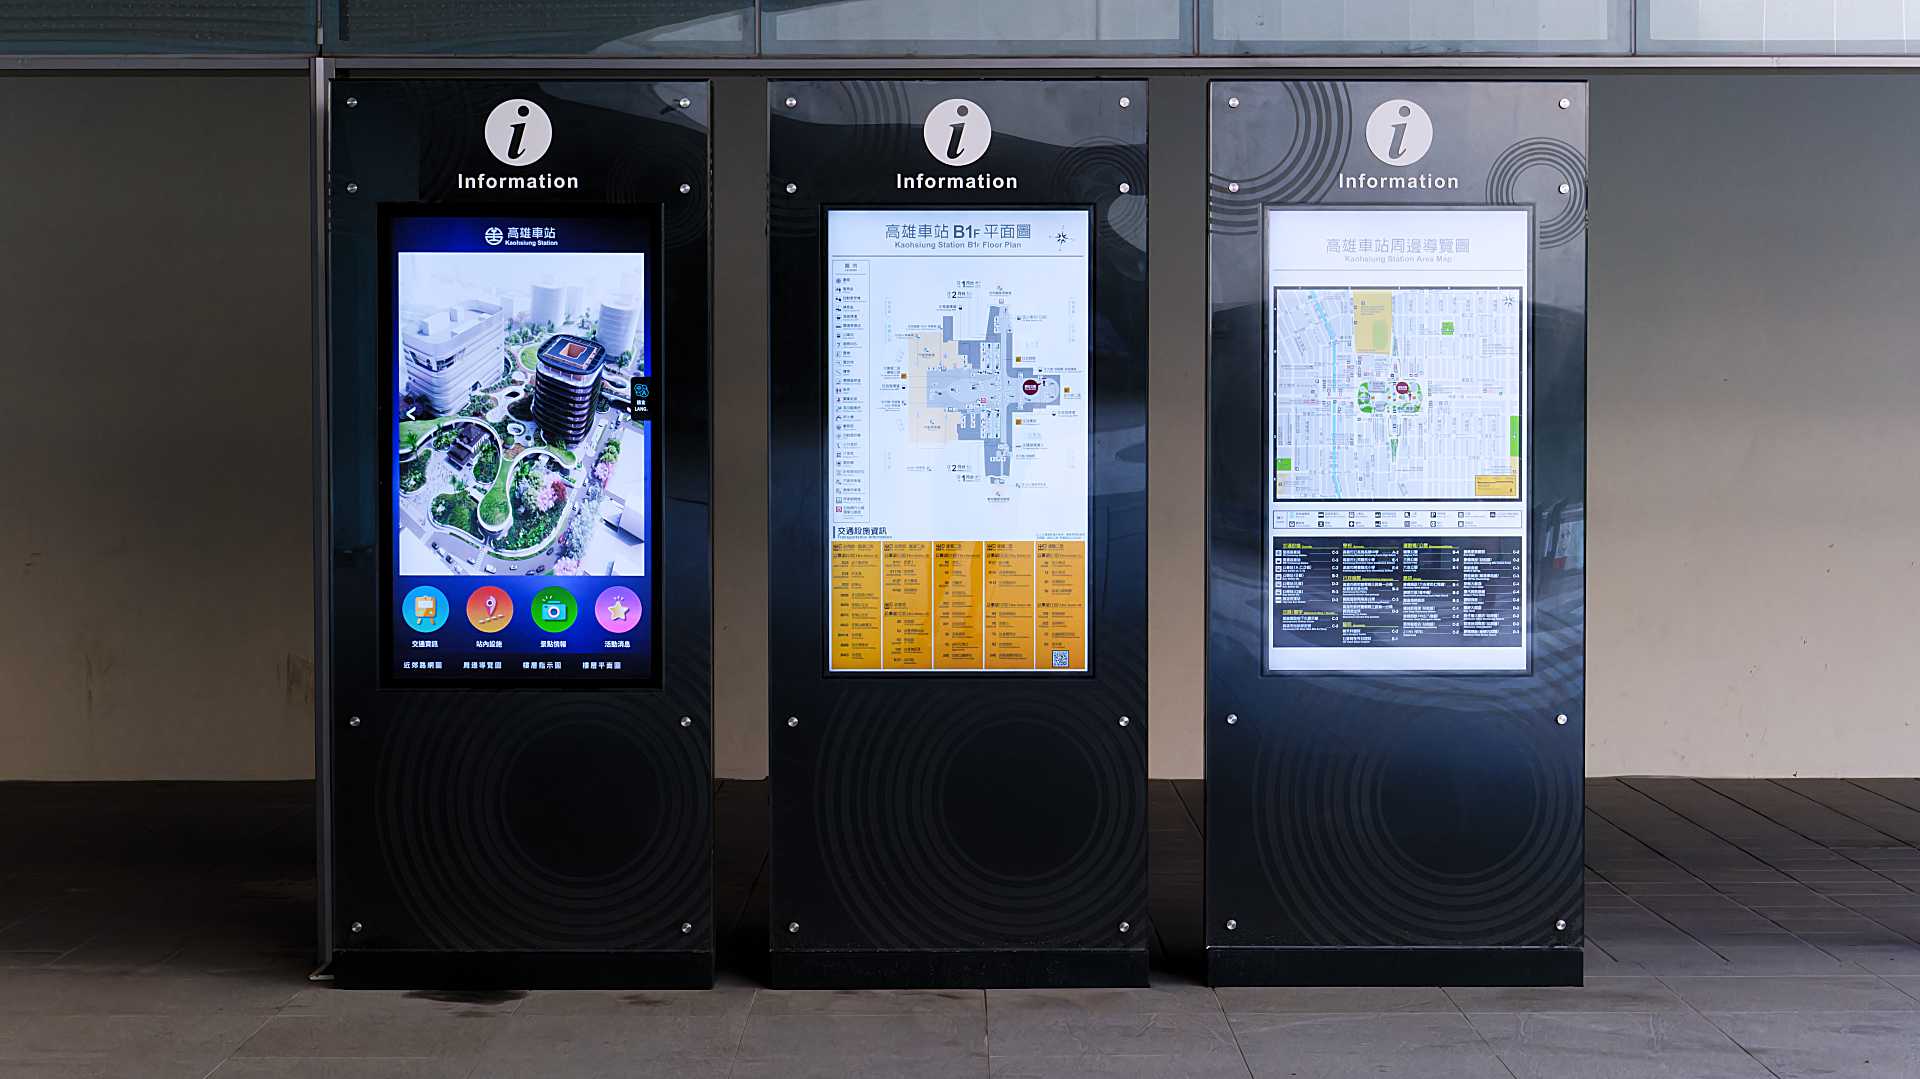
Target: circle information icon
(554, 609)
(424, 609)
(957, 132)
(617, 610)
(490, 609)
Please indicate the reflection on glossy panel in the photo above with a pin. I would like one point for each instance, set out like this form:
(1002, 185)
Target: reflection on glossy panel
(551, 27)
(1779, 27)
(1414, 26)
(156, 26)
(977, 27)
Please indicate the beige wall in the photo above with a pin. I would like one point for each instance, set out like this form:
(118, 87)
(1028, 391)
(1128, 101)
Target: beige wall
(1754, 413)
(154, 544)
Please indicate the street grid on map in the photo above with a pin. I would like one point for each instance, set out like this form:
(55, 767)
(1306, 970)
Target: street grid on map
(1396, 393)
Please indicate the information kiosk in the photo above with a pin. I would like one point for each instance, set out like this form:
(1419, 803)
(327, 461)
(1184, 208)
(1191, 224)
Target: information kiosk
(958, 605)
(515, 732)
(1396, 505)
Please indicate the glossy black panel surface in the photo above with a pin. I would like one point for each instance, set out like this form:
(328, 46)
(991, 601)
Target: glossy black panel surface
(952, 829)
(518, 823)
(1366, 814)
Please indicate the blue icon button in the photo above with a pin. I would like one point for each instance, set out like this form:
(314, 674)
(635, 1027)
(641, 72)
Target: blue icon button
(425, 609)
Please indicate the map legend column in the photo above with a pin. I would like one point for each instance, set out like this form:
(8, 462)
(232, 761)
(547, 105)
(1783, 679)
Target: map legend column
(849, 389)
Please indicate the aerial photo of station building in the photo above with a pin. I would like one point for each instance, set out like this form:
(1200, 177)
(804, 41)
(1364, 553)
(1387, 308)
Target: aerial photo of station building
(512, 425)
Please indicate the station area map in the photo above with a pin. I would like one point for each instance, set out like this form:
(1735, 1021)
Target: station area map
(957, 439)
(1384, 393)
(1397, 438)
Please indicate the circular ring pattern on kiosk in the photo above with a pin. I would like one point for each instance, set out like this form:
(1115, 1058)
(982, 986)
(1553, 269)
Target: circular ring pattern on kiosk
(554, 609)
(617, 610)
(490, 609)
(425, 609)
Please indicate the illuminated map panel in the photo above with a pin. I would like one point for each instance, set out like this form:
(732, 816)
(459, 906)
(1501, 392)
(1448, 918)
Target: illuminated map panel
(957, 439)
(1398, 438)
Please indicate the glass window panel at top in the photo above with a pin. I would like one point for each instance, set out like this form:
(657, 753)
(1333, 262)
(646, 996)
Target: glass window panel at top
(540, 27)
(1780, 27)
(977, 27)
(1283, 27)
(156, 26)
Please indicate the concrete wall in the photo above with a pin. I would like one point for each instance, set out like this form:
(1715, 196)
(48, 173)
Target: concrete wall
(157, 610)
(1754, 379)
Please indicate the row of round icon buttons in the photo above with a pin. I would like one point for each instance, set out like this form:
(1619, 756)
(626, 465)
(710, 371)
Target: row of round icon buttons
(489, 609)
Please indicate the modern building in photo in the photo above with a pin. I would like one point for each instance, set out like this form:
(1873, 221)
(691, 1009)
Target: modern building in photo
(566, 387)
(451, 352)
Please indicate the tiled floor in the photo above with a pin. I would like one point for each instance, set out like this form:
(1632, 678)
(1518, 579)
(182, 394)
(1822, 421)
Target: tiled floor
(1736, 928)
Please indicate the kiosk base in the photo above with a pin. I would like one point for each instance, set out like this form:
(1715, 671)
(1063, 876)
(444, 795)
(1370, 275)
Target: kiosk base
(520, 970)
(1394, 966)
(996, 969)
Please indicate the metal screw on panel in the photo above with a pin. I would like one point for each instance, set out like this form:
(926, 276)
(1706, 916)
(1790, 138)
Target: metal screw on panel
(685, 103)
(793, 927)
(1565, 104)
(1233, 103)
(1124, 926)
(793, 721)
(1561, 925)
(1565, 188)
(355, 927)
(686, 927)
(1231, 924)
(684, 188)
(1125, 187)
(1125, 720)
(1232, 719)
(353, 103)
(1561, 719)
(353, 189)
(686, 721)
(1234, 186)
(791, 188)
(792, 101)
(354, 722)
(1126, 103)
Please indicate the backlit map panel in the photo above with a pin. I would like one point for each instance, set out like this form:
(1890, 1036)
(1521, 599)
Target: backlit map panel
(1398, 438)
(957, 439)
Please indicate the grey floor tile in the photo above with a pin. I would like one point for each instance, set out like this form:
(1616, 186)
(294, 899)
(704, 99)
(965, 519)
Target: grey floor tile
(1622, 994)
(907, 1040)
(1615, 1045)
(373, 1035)
(148, 1046)
(719, 1001)
(400, 1002)
(1906, 983)
(1878, 951)
(1167, 1033)
(1419, 1046)
(1286, 1000)
(64, 992)
(1834, 1045)
(1817, 993)
(967, 1067)
(555, 1046)
(956, 1002)
(338, 1068)
(1174, 997)
(1219, 1065)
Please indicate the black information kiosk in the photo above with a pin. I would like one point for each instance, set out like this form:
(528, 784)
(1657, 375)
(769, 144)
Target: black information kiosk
(1396, 527)
(958, 605)
(515, 729)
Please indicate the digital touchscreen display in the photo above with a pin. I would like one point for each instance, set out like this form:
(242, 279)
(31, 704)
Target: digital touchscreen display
(1398, 438)
(524, 446)
(958, 386)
